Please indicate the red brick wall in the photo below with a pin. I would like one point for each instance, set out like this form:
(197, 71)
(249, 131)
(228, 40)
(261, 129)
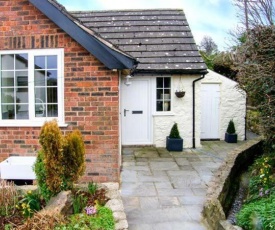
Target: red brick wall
(91, 91)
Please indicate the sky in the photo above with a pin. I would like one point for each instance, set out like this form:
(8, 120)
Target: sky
(214, 18)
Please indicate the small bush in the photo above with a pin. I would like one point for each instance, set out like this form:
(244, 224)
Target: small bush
(8, 198)
(73, 158)
(174, 133)
(52, 143)
(103, 219)
(259, 214)
(30, 203)
(231, 127)
(253, 121)
(61, 161)
(40, 172)
(79, 202)
(92, 187)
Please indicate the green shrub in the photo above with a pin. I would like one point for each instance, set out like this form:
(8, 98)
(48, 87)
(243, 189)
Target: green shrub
(92, 187)
(79, 202)
(231, 127)
(102, 220)
(174, 133)
(73, 158)
(52, 143)
(61, 161)
(30, 203)
(259, 214)
(253, 121)
(40, 172)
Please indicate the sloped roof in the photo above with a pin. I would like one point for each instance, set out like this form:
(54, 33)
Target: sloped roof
(159, 39)
(109, 55)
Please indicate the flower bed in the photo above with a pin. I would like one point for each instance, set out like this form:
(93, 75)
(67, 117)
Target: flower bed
(87, 210)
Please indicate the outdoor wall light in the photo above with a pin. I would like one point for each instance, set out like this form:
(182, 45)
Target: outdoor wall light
(128, 80)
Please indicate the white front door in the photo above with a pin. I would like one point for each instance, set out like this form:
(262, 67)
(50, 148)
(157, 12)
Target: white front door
(136, 112)
(210, 111)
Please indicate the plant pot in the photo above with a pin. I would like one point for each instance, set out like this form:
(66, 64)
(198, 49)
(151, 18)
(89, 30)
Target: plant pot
(174, 144)
(180, 94)
(231, 138)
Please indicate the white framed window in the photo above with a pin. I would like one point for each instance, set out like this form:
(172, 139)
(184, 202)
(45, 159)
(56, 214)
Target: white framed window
(32, 87)
(163, 94)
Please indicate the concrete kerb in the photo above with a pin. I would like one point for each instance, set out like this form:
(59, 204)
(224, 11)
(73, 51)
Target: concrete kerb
(213, 214)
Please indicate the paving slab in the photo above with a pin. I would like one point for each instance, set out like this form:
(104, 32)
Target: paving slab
(166, 190)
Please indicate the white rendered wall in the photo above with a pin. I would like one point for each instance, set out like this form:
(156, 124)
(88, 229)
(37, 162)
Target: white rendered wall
(181, 113)
(232, 103)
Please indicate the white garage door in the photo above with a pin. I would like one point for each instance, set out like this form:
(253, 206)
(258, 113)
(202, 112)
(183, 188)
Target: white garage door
(210, 111)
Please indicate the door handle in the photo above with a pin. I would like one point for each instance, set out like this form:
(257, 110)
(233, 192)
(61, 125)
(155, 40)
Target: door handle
(125, 110)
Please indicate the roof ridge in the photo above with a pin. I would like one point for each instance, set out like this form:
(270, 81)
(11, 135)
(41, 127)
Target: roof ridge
(126, 10)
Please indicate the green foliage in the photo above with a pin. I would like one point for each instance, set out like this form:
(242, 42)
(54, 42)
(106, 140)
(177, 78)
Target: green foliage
(30, 203)
(40, 172)
(52, 143)
(231, 127)
(61, 161)
(79, 202)
(92, 187)
(253, 121)
(174, 133)
(73, 158)
(256, 75)
(259, 214)
(262, 179)
(102, 220)
(208, 59)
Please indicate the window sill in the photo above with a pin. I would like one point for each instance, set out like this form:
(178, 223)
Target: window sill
(22, 123)
(160, 114)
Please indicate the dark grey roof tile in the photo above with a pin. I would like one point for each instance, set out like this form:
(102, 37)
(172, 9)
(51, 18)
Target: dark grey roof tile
(160, 38)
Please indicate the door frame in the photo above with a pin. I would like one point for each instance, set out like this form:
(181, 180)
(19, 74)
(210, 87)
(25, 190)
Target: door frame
(150, 110)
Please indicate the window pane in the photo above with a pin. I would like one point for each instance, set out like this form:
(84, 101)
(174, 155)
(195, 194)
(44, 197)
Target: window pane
(39, 78)
(167, 82)
(52, 111)
(21, 61)
(40, 95)
(8, 111)
(39, 62)
(166, 94)
(52, 78)
(52, 62)
(7, 62)
(40, 109)
(52, 95)
(22, 95)
(159, 82)
(7, 78)
(159, 94)
(22, 111)
(7, 95)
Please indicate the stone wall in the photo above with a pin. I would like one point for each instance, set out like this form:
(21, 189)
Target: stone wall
(236, 161)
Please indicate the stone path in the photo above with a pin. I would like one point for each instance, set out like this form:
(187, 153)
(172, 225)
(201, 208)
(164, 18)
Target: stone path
(166, 190)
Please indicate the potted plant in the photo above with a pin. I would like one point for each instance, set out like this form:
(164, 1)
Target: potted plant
(174, 142)
(230, 135)
(180, 93)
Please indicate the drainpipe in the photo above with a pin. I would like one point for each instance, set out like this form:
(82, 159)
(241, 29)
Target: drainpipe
(194, 112)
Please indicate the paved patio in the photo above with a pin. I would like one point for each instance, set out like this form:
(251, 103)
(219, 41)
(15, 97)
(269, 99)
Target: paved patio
(166, 190)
